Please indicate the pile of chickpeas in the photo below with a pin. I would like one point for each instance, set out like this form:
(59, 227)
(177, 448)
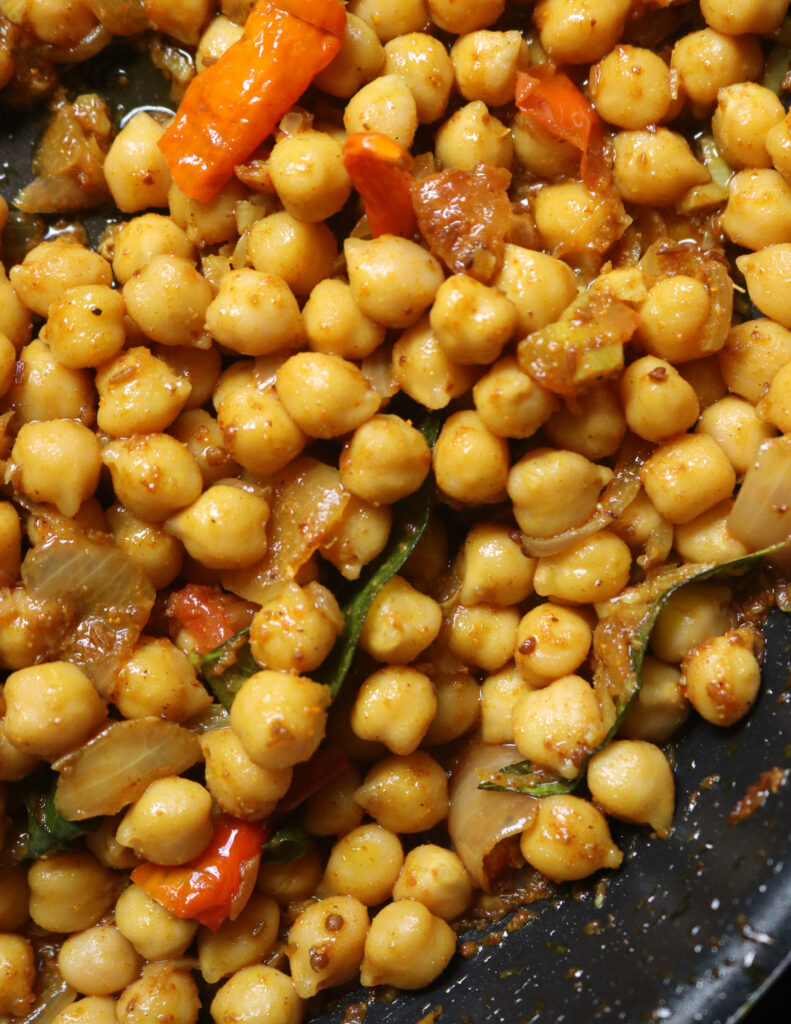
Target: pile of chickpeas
(158, 385)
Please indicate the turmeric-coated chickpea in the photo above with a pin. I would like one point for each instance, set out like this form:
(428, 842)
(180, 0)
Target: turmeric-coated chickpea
(746, 112)
(754, 352)
(359, 59)
(672, 318)
(88, 1010)
(499, 693)
(291, 882)
(632, 780)
(70, 891)
(553, 491)
(422, 369)
(51, 708)
(471, 464)
(164, 990)
(394, 706)
(708, 537)
(740, 428)
(385, 105)
(309, 176)
(572, 220)
(551, 641)
(156, 678)
(326, 943)
(154, 931)
(17, 975)
(736, 17)
(437, 878)
(458, 707)
(486, 65)
(168, 300)
(539, 152)
(473, 136)
(687, 475)
(139, 240)
(721, 677)
(153, 475)
(254, 314)
(52, 267)
(135, 169)
(472, 322)
(400, 623)
(138, 393)
(7, 363)
(539, 286)
(424, 65)
(333, 811)
(326, 395)
(365, 864)
(591, 570)
(237, 943)
(258, 431)
(689, 616)
(631, 87)
(15, 320)
(357, 538)
(85, 326)
(774, 408)
(657, 401)
(98, 961)
(509, 402)
(156, 552)
(295, 629)
(707, 61)
(492, 567)
(391, 18)
(579, 31)
(225, 528)
(300, 253)
(659, 709)
(482, 635)
(385, 460)
(407, 946)
(335, 324)
(220, 34)
(56, 461)
(201, 433)
(758, 212)
(592, 425)
(766, 275)
(240, 786)
(405, 794)
(569, 839)
(170, 823)
(279, 718)
(207, 223)
(778, 145)
(655, 168)
(182, 20)
(257, 995)
(393, 280)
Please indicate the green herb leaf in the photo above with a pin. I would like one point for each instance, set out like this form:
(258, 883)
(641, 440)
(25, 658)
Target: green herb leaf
(411, 519)
(628, 631)
(227, 666)
(288, 844)
(47, 829)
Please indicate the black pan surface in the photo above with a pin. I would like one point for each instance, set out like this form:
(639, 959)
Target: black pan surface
(693, 929)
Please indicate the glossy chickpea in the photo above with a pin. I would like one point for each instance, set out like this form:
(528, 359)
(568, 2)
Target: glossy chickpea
(657, 401)
(207, 223)
(664, 330)
(539, 286)
(706, 379)
(571, 220)
(471, 464)
(89, 1010)
(14, 315)
(391, 18)
(579, 31)
(137, 175)
(758, 212)
(394, 706)
(745, 114)
(52, 267)
(689, 616)
(422, 369)
(759, 16)
(405, 794)
(240, 786)
(553, 491)
(509, 402)
(437, 878)
(473, 136)
(279, 718)
(766, 274)
(753, 354)
(156, 678)
(631, 87)
(458, 707)
(499, 693)
(591, 570)
(385, 460)
(708, 538)
(655, 168)
(70, 891)
(7, 363)
(358, 537)
(153, 475)
(640, 525)
(56, 461)
(569, 839)
(707, 61)
(258, 431)
(295, 630)
(225, 528)
(721, 677)
(183, 20)
(659, 708)
(400, 623)
(138, 241)
(257, 995)
(424, 65)
(407, 946)
(85, 326)
(486, 64)
(539, 152)
(156, 552)
(778, 146)
(300, 253)
(471, 321)
(200, 432)
(393, 280)
(359, 59)
(335, 324)
(493, 568)
(686, 476)
(482, 635)
(50, 709)
(17, 975)
(255, 314)
(98, 961)
(163, 990)
(168, 300)
(333, 811)
(326, 944)
(364, 864)
(632, 780)
(15, 763)
(138, 393)
(739, 428)
(551, 641)
(385, 105)
(593, 425)
(774, 410)
(326, 395)
(309, 176)
(292, 882)
(170, 823)
(245, 940)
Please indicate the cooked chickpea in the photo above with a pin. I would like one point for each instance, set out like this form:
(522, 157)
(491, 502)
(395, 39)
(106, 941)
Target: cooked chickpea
(591, 570)
(364, 864)
(183, 20)
(659, 708)
(155, 932)
(673, 317)
(579, 31)
(138, 393)
(15, 764)
(760, 16)
(758, 212)
(333, 811)
(17, 975)
(335, 324)
(385, 460)
(509, 402)
(689, 616)
(326, 395)
(308, 174)
(473, 136)
(739, 428)
(745, 114)
(98, 961)
(458, 707)
(631, 87)
(569, 839)
(766, 274)
(291, 882)
(721, 677)
(56, 461)
(754, 352)
(437, 878)
(553, 491)
(51, 709)
(7, 363)
(571, 220)
(406, 946)
(163, 990)
(400, 623)
(240, 786)
(256, 995)
(153, 475)
(300, 253)
(471, 321)
(499, 693)
(86, 325)
(393, 280)
(778, 146)
(551, 641)
(657, 401)
(422, 369)
(539, 286)
(708, 538)
(279, 718)
(170, 823)
(44, 389)
(135, 169)
(422, 62)
(360, 58)
(471, 464)
(295, 629)
(257, 429)
(394, 706)
(254, 314)
(706, 379)
(89, 1010)
(385, 105)
(70, 891)
(107, 850)
(139, 240)
(326, 944)
(655, 168)
(592, 425)
(168, 300)
(14, 315)
(245, 940)
(156, 678)
(225, 528)
(486, 64)
(707, 61)
(632, 780)
(686, 476)
(159, 555)
(207, 223)
(482, 635)
(405, 794)
(390, 18)
(201, 433)
(358, 537)
(539, 152)
(49, 269)
(493, 568)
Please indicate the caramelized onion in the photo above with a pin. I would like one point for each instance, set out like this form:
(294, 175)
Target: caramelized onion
(92, 42)
(479, 820)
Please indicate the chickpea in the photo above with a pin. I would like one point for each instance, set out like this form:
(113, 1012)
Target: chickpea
(594, 569)
(738, 427)
(309, 176)
(257, 995)
(471, 463)
(486, 64)
(422, 369)
(255, 314)
(240, 786)
(663, 330)
(400, 623)
(437, 878)
(778, 146)
(364, 864)
(706, 379)
(385, 105)
(473, 136)
(593, 425)
(359, 536)
(15, 763)
(539, 152)
(424, 65)
(86, 326)
(257, 429)
(70, 891)
(139, 240)
(335, 324)
(98, 961)
(326, 395)
(14, 316)
(385, 460)
(333, 811)
(159, 555)
(499, 693)
(405, 793)
(47, 271)
(509, 402)
(156, 678)
(458, 707)
(7, 363)
(138, 393)
(471, 321)
(17, 974)
(207, 223)
(300, 253)
(103, 845)
(183, 20)
(758, 212)
(493, 568)
(155, 932)
(295, 630)
(168, 300)
(707, 61)
(766, 274)
(689, 616)
(359, 60)
(553, 491)
(734, 19)
(162, 991)
(279, 718)
(292, 882)
(571, 220)
(225, 528)
(89, 1010)
(659, 708)
(326, 944)
(686, 476)
(745, 114)
(482, 635)
(580, 31)
(569, 839)
(407, 946)
(393, 280)
(153, 475)
(245, 940)
(631, 87)
(51, 709)
(135, 169)
(632, 780)
(394, 706)
(655, 168)
(708, 538)
(200, 432)
(56, 461)
(170, 823)
(657, 401)
(551, 641)
(753, 354)
(721, 677)
(539, 286)
(390, 18)
(43, 389)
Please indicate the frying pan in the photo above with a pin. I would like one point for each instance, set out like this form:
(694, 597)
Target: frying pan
(695, 928)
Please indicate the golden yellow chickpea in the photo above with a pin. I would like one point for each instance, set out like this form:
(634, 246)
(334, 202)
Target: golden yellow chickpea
(50, 268)
(569, 839)
(754, 352)
(499, 693)
(56, 461)
(256, 427)
(400, 624)
(707, 61)
(359, 536)
(364, 864)
(240, 786)
(156, 678)
(168, 300)
(163, 990)
(85, 326)
(655, 168)
(632, 780)
(98, 961)
(43, 389)
(327, 396)
(686, 476)
(553, 491)
(407, 946)
(486, 65)
(295, 629)
(225, 528)
(201, 433)
(257, 995)
(473, 136)
(721, 677)
(571, 220)
(335, 324)
(245, 940)
(309, 176)
(153, 475)
(385, 460)
(14, 313)
(138, 241)
(471, 464)
(159, 555)
(170, 823)
(208, 223)
(539, 286)
(423, 63)
(394, 706)
(422, 369)
(385, 105)
(255, 314)
(509, 402)
(551, 641)
(766, 274)
(300, 253)
(326, 943)
(745, 114)
(405, 794)
(17, 975)
(437, 878)
(592, 425)
(579, 31)
(393, 280)
(594, 569)
(708, 538)
(492, 567)
(218, 37)
(631, 87)
(138, 393)
(758, 212)
(155, 932)
(458, 707)
(70, 891)
(657, 401)
(760, 16)
(482, 635)
(291, 882)
(660, 708)
(135, 169)
(333, 811)
(472, 322)
(689, 616)
(740, 428)
(360, 59)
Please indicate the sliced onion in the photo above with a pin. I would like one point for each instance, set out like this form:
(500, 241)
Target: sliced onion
(55, 996)
(481, 819)
(113, 769)
(761, 514)
(91, 43)
(51, 194)
(619, 493)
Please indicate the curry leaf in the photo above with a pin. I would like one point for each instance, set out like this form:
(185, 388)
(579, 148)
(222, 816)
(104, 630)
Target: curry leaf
(630, 624)
(47, 829)
(288, 844)
(227, 666)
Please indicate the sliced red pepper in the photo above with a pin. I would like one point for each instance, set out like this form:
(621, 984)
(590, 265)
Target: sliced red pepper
(308, 778)
(210, 615)
(552, 100)
(231, 107)
(211, 887)
(379, 169)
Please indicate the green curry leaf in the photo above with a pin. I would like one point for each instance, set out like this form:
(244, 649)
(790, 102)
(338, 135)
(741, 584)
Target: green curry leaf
(48, 830)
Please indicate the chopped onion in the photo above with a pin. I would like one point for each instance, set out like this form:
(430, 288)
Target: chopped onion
(761, 514)
(479, 819)
(54, 998)
(91, 43)
(113, 769)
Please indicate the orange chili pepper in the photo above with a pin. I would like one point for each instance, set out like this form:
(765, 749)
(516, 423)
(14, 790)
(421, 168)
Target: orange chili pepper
(379, 169)
(232, 106)
(210, 887)
(552, 100)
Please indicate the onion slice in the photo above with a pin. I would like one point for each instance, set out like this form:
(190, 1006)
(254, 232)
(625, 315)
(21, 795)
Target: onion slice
(113, 769)
(479, 819)
(761, 514)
